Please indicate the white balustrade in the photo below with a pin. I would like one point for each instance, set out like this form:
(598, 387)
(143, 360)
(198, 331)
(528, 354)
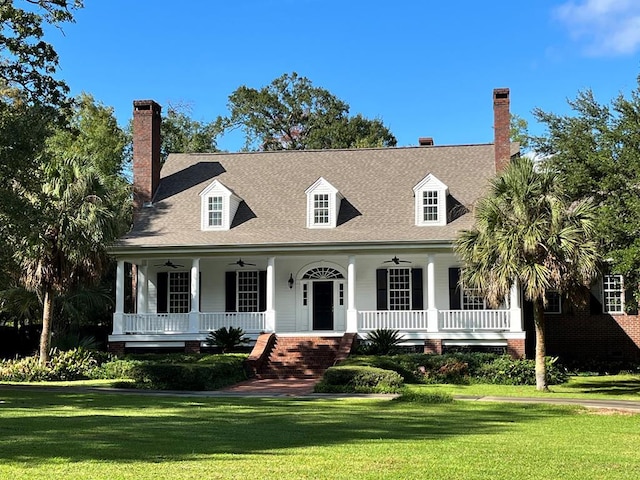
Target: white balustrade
(156, 323)
(474, 320)
(250, 322)
(392, 319)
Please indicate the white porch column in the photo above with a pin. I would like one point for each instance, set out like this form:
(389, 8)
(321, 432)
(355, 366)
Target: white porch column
(432, 311)
(194, 315)
(515, 309)
(352, 312)
(270, 313)
(118, 315)
(143, 288)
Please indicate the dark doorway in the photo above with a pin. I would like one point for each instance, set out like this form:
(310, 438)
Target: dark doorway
(323, 305)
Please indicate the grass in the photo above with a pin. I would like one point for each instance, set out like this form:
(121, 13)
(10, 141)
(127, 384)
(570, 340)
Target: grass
(614, 387)
(79, 435)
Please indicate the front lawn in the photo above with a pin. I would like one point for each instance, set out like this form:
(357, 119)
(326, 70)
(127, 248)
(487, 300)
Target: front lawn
(613, 387)
(80, 435)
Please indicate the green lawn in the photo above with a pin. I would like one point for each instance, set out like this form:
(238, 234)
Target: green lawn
(80, 435)
(614, 387)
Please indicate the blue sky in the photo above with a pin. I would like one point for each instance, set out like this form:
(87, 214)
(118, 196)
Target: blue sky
(426, 68)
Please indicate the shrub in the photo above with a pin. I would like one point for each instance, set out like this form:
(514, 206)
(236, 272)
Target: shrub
(383, 341)
(227, 339)
(114, 369)
(189, 376)
(76, 364)
(508, 371)
(355, 379)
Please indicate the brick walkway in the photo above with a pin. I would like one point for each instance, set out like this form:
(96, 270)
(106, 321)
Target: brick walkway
(292, 387)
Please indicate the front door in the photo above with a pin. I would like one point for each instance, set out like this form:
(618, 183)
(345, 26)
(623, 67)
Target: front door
(323, 305)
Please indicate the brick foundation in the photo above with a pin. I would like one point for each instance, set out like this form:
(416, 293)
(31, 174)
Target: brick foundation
(433, 346)
(516, 348)
(192, 346)
(116, 348)
(582, 336)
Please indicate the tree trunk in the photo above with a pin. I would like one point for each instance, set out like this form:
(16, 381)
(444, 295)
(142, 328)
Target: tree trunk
(541, 368)
(45, 336)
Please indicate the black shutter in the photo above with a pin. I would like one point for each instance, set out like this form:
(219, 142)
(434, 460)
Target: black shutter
(262, 290)
(381, 289)
(417, 302)
(230, 292)
(162, 292)
(630, 305)
(595, 306)
(200, 292)
(454, 289)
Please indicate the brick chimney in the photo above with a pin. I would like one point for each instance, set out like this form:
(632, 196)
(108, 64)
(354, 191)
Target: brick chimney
(425, 141)
(146, 151)
(501, 128)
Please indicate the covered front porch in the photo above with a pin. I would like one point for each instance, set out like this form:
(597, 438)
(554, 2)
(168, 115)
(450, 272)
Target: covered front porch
(306, 295)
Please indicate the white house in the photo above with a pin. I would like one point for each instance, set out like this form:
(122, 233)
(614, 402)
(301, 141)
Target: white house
(307, 243)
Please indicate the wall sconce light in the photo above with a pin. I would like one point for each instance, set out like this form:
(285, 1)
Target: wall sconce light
(290, 281)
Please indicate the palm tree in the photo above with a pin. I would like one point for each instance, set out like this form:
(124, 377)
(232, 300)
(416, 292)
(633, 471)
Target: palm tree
(527, 230)
(78, 214)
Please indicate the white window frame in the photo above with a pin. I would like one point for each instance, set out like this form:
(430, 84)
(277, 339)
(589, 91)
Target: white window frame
(548, 308)
(470, 299)
(321, 212)
(430, 188)
(613, 293)
(215, 205)
(247, 290)
(178, 292)
(396, 296)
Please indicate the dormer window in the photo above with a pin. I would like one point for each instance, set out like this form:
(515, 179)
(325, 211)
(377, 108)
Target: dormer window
(321, 209)
(218, 207)
(214, 212)
(431, 202)
(323, 204)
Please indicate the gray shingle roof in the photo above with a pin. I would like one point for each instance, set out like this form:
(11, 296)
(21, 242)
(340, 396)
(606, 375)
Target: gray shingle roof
(377, 185)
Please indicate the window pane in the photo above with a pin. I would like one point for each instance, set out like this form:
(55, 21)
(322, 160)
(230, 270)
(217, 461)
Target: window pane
(553, 302)
(247, 291)
(430, 206)
(321, 208)
(613, 293)
(179, 294)
(215, 211)
(399, 280)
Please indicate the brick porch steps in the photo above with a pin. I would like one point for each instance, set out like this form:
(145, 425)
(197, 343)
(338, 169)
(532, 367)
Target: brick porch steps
(303, 357)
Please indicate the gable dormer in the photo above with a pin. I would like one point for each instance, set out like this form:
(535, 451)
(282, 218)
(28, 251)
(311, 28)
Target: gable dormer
(218, 206)
(430, 202)
(323, 204)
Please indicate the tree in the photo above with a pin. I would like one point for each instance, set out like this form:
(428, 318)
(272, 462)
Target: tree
(30, 101)
(528, 230)
(27, 62)
(81, 204)
(595, 152)
(181, 134)
(292, 114)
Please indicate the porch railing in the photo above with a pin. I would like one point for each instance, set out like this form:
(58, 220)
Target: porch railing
(250, 322)
(156, 323)
(392, 319)
(474, 320)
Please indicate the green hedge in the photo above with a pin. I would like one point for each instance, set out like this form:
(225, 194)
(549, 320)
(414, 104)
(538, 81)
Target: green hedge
(462, 368)
(356, 379)
(206, 375)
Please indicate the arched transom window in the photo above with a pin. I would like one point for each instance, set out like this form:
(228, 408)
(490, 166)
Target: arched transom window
(326, 273)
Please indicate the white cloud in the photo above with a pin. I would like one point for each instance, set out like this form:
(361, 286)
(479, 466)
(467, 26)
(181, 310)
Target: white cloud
(610, 27)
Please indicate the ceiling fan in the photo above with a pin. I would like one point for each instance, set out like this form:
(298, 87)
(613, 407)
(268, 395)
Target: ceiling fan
(242, 263)
(170, 264)
(396, 260)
